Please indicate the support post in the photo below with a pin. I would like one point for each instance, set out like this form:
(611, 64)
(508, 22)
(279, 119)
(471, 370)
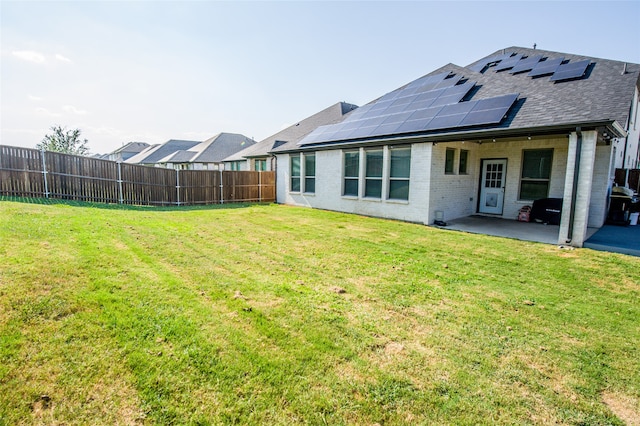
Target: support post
(120, 193)
(221, 189)
(178, 185)
(44, 175)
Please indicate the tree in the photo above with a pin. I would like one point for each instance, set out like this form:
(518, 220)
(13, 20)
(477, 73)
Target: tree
(63, 140)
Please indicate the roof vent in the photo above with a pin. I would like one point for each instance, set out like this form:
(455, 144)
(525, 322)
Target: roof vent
(624, 69)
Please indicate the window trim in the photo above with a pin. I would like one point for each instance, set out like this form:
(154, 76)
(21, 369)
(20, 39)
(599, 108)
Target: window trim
(307, 177)
(466, 162)
(293, 176)
(368, 178)
(355, 178)
(528, 179)
(398, 179)
(453, 161)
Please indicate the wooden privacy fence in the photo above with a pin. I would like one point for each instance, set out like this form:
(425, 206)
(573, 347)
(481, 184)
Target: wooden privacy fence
(28, 172)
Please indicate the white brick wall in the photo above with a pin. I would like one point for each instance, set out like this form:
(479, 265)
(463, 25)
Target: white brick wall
(456, 194)
(329, 188)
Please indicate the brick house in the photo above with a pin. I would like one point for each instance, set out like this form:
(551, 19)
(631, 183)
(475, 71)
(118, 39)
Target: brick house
(514, 127)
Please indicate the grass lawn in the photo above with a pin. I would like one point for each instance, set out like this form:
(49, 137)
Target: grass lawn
(270, 314)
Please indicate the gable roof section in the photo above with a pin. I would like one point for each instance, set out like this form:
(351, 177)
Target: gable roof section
(222, 145)
(131, 147)
(291, 135)
(213, 150)
(155, 153)
(495, 95)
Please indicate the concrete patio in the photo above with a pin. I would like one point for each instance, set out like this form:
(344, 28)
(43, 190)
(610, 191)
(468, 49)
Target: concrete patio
(616, 239)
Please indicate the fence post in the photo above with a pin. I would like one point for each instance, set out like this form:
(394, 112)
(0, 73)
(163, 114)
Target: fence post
(44, 175)
(178, 185)
(221, 188)
(260, 186)
(120, 194)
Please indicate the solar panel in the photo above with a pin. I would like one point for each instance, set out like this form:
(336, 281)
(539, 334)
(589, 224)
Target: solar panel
(398, 118)
(505, 64)
(526, 64)
(386, 129)
(489, 111)
(478, 67)
(453, 94)
(430, 103)
(570, 70)
(411, 126)
(422, 114)
(497, 58)
(545, 67)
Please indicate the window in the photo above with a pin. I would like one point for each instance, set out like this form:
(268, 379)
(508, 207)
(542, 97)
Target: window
(260, 165)
(464, 160)
(449, 160)
(295, 172)
(309, 173)
(236, 166)
(400, 166)
(373, 173)
(351, 173)
(536, 173)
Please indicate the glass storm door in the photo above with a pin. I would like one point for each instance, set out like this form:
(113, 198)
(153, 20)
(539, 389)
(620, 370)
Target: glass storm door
(494, 173)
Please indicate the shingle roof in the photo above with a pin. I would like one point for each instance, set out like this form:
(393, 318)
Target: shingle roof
(178, 157)
(132, 147)
(219, 147)
(290, 136)
(213, 150)
(603, 95)
(155, 153)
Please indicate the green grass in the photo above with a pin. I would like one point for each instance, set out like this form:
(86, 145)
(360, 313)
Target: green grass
(270, 314)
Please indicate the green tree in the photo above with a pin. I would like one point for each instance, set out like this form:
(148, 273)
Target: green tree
(63, 140)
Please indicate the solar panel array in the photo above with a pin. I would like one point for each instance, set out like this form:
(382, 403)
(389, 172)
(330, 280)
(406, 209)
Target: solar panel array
(427, 104)
(537, 65)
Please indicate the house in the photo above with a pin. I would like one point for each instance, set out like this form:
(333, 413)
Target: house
(193, 155)
(257, 157)
(517, 126)
(126, 151)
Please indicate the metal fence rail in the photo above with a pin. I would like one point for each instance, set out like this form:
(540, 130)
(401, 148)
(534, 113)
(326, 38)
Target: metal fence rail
(26, 172)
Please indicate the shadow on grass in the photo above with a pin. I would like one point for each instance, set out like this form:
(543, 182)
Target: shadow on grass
(108, 206)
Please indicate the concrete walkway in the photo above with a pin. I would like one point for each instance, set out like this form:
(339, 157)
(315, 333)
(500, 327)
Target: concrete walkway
(525, 231)
(616, 239)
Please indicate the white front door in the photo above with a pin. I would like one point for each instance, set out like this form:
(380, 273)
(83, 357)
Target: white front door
(494, 174)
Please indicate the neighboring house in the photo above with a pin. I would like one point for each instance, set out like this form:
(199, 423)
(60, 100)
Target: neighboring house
(193, 155)
(258, 157)
(126, 151)
(517, 126)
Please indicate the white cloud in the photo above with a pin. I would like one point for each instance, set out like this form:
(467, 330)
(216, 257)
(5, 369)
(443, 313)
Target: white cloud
(29, 56)
(74, 110)
(62, 58)
(46, 112)
(35, 98)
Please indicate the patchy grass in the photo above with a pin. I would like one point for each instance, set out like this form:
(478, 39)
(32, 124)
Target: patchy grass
(278, 315)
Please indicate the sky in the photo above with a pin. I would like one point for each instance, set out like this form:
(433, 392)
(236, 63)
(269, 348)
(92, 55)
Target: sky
(150, 71)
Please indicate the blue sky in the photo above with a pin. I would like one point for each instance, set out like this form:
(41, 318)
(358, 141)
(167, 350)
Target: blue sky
(156, 70)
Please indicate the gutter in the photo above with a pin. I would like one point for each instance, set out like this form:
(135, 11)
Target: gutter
(611, 125)
(574, 196)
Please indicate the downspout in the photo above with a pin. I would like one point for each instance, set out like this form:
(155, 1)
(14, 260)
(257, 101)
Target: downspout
(574, 190)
